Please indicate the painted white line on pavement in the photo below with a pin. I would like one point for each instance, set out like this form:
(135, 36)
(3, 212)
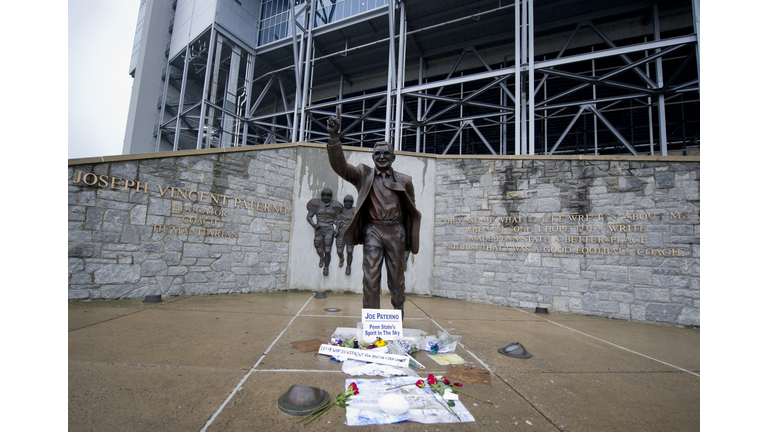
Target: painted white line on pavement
(612, 344)
(242, 381)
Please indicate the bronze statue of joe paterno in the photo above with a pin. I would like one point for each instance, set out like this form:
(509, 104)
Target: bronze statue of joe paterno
(385, 222)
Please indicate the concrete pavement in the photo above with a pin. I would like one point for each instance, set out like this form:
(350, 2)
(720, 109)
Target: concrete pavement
(220, 363)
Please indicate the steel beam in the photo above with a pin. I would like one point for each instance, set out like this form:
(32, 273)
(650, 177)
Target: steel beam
(612, 129)
(567, 129)
(306, 71)
(206, 87)
(181, 98)
(450, 74)
(296, 48)
(531, 91)
(248, 86)
(400, 74)
(624, 57)
(390, 69)
(660, 84)
(230, 96)
(263, 93)
(448, 147)
(418, 106)
(364, 115)
(482, 137)
(696, 24)
(517, 77)
(214, 88)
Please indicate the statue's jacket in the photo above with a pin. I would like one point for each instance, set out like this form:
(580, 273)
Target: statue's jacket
(361, 177)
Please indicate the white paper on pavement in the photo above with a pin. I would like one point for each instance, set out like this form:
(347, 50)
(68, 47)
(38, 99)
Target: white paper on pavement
(360, 368)
(425, 407)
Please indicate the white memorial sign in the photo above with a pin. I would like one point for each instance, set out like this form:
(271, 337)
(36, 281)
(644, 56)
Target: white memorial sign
(385, 324)
(364, 355)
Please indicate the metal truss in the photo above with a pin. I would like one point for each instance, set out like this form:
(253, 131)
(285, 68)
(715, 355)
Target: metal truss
(601, 97)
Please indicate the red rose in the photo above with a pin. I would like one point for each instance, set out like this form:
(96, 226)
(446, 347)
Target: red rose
(420, 384)
(458, 384)
(431, 379)
(445, 380)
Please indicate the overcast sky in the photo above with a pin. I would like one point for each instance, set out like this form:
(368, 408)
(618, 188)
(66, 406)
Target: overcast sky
(99, 87)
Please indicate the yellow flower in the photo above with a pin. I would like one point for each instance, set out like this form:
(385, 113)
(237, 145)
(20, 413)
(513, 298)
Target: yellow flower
(380, 343)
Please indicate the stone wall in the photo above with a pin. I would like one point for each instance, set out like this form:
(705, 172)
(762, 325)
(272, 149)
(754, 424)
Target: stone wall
(617, 239)
(184, 225)
(607, 236)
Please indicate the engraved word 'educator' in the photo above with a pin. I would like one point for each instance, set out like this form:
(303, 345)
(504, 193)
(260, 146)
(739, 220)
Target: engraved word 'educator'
(385, 222)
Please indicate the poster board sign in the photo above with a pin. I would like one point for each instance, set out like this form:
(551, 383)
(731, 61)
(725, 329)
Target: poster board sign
(364, 355)
(386, 324)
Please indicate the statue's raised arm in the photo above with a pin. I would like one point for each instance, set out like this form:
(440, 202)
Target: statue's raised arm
(339, 164)
(333, 124)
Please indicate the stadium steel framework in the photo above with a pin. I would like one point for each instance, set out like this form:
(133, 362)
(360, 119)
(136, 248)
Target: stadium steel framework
(485, 77)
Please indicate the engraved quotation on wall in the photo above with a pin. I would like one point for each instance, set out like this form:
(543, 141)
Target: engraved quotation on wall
(594, 234)
(197, 219)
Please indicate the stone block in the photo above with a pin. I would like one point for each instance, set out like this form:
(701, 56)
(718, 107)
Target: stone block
(549, 290)
(579, 285)
(574, 303)
(76, 265)
(220, 276)
(200, 164)
(159, 207)
(191, 176)
(76, 236)
(637, 312)
(610, 307)
(195, 277)
(532, 260)
(124, 170)
(112, 292)
(652, 294)
(195, 250)
(138, 215)
(87, 198)
(80, 279)
(666, 313)
(262, 283)
(560, 303)
(78, 294)
(691, 190)
(665, 281)
(93, 218)
(689, 316)
(607, 286)
(622, 297)
(641, 276)
(154, 268)
(627, 184)
(117, 274)
(222, 264)
(589, 302)
(82, 250)
(129, 235)
(177, 270)
(665, 180)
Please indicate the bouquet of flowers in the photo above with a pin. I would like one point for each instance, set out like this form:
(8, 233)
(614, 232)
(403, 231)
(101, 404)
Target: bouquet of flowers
(440, 386)
(341, 400)
(353, 343)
